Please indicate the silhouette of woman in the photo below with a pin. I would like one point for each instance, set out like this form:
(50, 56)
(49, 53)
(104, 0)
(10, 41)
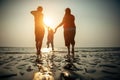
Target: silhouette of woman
(69, 30)
(39, 29)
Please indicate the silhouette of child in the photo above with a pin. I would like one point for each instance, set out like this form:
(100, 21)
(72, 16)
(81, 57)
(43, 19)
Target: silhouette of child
(50, 38)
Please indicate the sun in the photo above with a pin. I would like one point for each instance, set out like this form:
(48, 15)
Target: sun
(48, 22)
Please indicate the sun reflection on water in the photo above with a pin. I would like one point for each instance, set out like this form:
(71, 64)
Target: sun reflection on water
(46, 50)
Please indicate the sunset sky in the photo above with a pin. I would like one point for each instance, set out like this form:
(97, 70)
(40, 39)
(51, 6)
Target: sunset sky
(97, 22)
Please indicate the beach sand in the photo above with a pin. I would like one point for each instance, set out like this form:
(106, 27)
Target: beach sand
(85, 66)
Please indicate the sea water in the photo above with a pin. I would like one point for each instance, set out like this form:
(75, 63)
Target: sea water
(62, 49)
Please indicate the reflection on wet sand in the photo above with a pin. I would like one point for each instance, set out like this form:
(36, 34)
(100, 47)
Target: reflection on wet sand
(86, 66)
(44, 66)
(69, 72)
(44, 73)
(47, 65)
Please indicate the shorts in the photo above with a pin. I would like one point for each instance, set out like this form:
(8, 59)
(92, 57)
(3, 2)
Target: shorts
(69, 35)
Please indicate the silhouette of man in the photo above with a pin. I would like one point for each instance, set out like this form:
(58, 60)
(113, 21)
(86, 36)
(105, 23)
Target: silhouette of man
(39, 29)
(69, 30)
(50, 38)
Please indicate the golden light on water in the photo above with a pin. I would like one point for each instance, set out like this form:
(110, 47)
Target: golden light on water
(46, 49)
(66, 73)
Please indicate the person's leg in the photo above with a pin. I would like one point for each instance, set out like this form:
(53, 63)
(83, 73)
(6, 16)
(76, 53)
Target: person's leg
(52, 46)
(37, 44)
(73, 54)
(73, 32)
(37, 48)
(41, 35)
(47, 44)
(68, 47)
(67, 42)
(40, 45)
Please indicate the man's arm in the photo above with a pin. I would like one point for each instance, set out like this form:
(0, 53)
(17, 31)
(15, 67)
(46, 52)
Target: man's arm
(32, 12)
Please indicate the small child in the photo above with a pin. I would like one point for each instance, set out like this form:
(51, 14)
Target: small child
(50, 38)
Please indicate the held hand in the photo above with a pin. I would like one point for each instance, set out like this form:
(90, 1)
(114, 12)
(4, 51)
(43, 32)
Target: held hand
(55, 30)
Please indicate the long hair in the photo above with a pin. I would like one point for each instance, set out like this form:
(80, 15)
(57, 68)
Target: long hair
(67, 11)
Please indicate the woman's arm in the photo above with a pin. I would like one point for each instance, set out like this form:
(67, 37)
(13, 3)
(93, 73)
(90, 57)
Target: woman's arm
(59, 26)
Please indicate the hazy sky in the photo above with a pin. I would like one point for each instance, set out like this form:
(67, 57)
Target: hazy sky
(97, 22)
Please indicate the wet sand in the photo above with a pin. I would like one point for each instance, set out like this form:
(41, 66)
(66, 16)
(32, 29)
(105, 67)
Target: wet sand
(85, 66)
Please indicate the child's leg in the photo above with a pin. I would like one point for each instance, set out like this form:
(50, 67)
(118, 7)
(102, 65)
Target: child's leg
(52, 46)
(47, 44)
